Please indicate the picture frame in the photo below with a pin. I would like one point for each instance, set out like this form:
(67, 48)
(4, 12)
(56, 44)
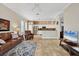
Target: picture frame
(4, 25)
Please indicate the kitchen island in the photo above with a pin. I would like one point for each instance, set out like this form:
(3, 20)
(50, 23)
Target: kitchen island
(48, 33)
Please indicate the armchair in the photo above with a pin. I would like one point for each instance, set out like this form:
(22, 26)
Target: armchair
(28, 35)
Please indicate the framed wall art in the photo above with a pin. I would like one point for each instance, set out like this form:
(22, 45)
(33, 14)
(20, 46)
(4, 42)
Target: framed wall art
(4, 25)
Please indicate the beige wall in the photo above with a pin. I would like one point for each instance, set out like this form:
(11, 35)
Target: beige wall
(71, 17)
(58, 26)
(8, 14)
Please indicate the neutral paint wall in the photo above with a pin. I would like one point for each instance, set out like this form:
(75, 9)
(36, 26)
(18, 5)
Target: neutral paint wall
(57, 18)
(71, 17)
(8, 14)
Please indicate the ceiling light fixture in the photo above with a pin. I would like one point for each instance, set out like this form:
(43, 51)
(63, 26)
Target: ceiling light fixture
(36, 10)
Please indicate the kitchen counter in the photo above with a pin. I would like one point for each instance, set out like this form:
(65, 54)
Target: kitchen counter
(47, 29)
(50, 34)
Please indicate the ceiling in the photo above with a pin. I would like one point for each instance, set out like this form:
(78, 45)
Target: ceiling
(47, 10)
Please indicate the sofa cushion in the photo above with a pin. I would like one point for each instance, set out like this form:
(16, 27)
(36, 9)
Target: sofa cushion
(5, 47)
(5, 36)
(14, 35)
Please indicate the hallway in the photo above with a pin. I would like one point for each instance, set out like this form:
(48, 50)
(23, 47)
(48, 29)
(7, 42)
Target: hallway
(48, 47)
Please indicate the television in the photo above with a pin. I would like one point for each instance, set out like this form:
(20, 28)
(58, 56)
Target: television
(72, 36)
(4, 25)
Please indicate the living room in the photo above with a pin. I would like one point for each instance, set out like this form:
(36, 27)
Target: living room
(37, 29)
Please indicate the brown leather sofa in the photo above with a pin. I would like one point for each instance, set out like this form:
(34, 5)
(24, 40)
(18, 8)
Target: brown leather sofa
(28, 35)
(10, 43)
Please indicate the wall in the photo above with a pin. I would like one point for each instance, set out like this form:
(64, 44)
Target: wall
(8, 14)
(30, 26)
(71, 17)
(57, 18)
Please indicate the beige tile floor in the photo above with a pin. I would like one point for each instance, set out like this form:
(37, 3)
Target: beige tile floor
(48, 47)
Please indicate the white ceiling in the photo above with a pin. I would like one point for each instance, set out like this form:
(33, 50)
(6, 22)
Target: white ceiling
(48, 10)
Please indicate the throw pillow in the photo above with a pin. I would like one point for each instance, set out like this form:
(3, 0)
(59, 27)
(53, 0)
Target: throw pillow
(14, 35)
(2, 41)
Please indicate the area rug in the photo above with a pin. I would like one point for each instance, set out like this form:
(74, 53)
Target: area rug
(26, 48)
